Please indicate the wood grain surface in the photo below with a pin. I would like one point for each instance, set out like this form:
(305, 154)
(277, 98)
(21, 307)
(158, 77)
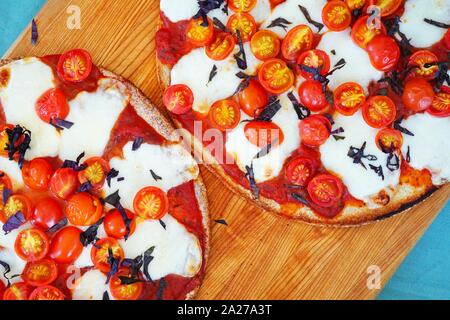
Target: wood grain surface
(258, 255)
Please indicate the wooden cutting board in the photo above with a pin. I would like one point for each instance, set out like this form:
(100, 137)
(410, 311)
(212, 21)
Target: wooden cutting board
(259, 255)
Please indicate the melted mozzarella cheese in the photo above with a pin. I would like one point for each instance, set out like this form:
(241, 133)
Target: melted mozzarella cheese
(269, 166)
(84, 260)
(429, 148)
(176, 250)
(90, 286)
(29, 80)
(194, 70)
(422, 34)
(261, 11)
(177, 10)
(172, 163)
(358, 68)
(290, 11)
(361, 183)
(11, 168)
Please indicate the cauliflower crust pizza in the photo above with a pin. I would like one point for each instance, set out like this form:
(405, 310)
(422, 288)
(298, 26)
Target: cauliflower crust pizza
(330, 112)
(98, 198)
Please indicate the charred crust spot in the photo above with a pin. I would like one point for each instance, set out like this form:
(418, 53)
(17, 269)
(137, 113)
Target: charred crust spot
(382, 198)
(5, 74)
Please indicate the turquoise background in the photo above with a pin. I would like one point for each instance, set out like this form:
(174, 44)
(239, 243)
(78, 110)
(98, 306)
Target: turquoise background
(425, 274)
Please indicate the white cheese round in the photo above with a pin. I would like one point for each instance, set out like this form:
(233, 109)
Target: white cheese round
(90, 286)
(177, 10)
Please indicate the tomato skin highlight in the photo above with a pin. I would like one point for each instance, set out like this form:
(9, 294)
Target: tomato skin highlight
(40, 272)
(349, 97)
(66, 246)
(384, 53)
(74, 65)
(37, 174)
(83, 209)
(51, 105)
(64, 183)
(31, 244)
(418, 95)
(151, 203)
(336, 15)
(263, 133)
(17, 291)
(253, 98)
(315, 130)
(325, 190)
(47, 213)
(178, 99)
(300, 171)
(115, 226)
(312, 96)
(46, 293)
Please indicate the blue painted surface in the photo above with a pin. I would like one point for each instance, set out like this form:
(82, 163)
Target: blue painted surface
(425, 274)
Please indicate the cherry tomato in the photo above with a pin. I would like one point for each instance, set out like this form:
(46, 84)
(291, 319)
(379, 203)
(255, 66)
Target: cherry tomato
(253, 98)
(100, 253)
(384, 53)
(52, 104)
(151, 203)
(312, 96)
(5, 183)
(17, 291)
(425, 65)
(348, 98)
(446, 40)
(315, 130)
(37, 174)
(379, 111)
(47, 213)
(2, 289)
(31, 244)
(297, 40)
(244, 23)
(221, 47)
(198, 34)
(96, 171)
(121, 291)
(83, 209)
(75, 65)
(40, 273)
(317, 59)
(46, 293)
(336, 15)
(115, 226)
(326, 190)
(418, 95)
(362, 33)
(225, 114)
(64, 183)
(300, 171)
(387, 7)
(178, 99)
(241, 5)
(441, 105)
(355, 4)
(389, 140)
(4, 139)
(265, 45)
(275, 76)
(263, 133)
(14, 204)
(66, 246)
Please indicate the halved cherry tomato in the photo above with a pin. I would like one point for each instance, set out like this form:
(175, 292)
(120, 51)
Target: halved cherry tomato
(47, 293)
(221, 47)
(315, 130)
(379, 111)
(265, 44)
(446, 40)
(253, 98)
(17, 291)
(348, 98)
(387, 7)
(95, 172)
(326, 190)
(14, 204)
(312, 96)
(425, 65)
(47, 213)
(83, 209)
(317, 59)
(115, 226)
(75, 65)
(64, 182)
(336, 15)
(100, 253)
(355, 4)
(225, 114)
(40, 273)
(121, 291)
(4, 139)
(37, 174)
(418, 95)
(241, 5)
(441, 105)
(151, 203)
(244, 23)
(362, 33)
(66, 246)
(198, 34)
(52, 104)
(263, 133)
(275, 76)
(178, 99)
(384, 53)
(389, 140)
(297, 40)
(31, 244)
(300, 171)
(5, 183)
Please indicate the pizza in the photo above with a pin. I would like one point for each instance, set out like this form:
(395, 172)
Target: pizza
(330, 112)
(99, 200)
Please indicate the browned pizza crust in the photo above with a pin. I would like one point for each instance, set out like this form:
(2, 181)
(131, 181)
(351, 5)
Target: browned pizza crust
(145, 109)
